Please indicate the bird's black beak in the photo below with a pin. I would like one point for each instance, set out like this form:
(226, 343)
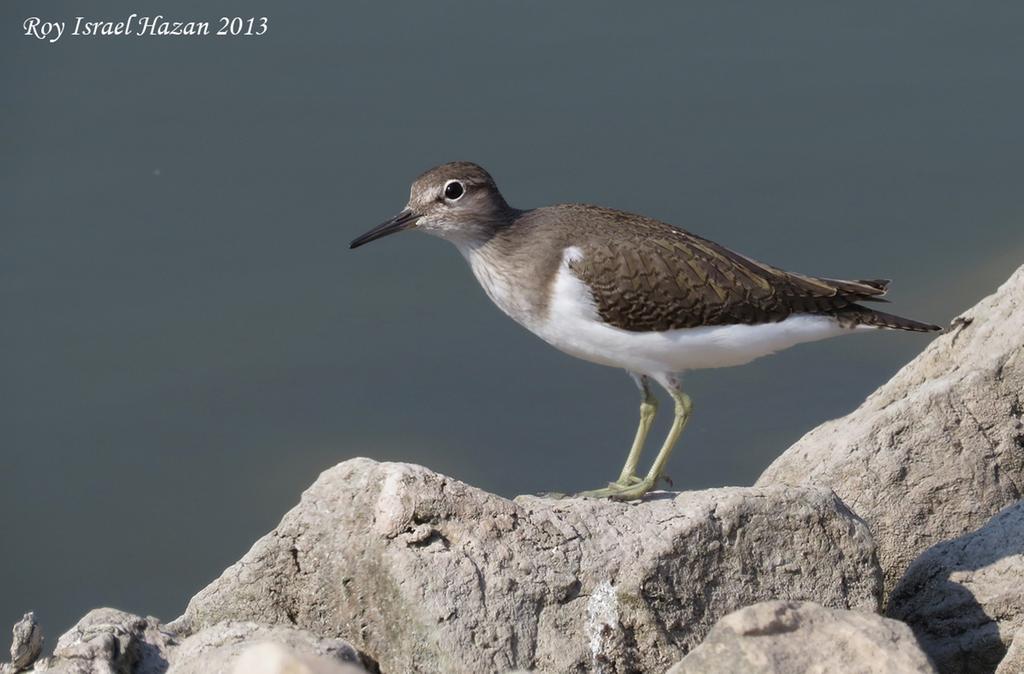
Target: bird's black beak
(403, 220)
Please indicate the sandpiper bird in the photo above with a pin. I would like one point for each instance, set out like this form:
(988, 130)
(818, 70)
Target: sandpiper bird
(631, 292)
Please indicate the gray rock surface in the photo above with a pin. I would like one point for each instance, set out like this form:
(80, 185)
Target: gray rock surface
(271, 658)
(964, 598)
(780, 637)
(427, 574)
(26, 643)
(108, 641)
(938, 449)
(219, 649)
(1013, 661)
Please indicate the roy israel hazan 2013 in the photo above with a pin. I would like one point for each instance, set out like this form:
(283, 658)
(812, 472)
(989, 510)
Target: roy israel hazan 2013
(136, 25)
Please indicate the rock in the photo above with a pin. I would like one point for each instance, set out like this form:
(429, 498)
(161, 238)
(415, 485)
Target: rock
(108, 641)
(783, 637)
(1013, 661)
(228, 647)
(427, 574)
(26, 644)
(964, 598)
(275, 659)
(938, 449)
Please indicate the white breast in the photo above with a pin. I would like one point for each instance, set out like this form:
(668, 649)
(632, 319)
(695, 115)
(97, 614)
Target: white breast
(574, 326)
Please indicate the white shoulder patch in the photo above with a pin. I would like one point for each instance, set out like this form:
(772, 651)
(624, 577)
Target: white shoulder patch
(570, 255)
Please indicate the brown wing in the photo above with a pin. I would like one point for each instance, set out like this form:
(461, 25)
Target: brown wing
(650, 276)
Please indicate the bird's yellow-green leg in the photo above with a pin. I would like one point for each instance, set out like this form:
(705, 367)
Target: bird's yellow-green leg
(648, 408)
(683, 410)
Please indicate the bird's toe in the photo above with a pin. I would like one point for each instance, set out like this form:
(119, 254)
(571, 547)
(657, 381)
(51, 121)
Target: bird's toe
(630, 490)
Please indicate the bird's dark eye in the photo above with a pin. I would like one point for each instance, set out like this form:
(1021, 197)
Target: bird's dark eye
(454, 190)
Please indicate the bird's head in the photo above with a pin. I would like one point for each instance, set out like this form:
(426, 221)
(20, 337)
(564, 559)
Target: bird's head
(457, 201)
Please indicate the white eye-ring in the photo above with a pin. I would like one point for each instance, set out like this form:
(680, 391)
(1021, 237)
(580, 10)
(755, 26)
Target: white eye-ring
(453, 190)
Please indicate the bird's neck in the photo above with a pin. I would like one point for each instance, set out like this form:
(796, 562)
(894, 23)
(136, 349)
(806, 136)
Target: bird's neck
(498, 278)
(482, 230)
(514, 274)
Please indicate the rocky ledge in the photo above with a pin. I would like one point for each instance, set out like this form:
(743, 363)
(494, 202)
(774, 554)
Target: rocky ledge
(908, 507)
(937, 450)
(430, 574)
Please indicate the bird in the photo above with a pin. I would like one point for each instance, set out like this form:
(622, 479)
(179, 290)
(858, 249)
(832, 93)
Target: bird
(631, 292)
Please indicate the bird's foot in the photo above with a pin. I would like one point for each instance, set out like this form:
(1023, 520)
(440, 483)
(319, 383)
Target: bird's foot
(621, 490)
(599, 493)
(622, 483)
(633, 492)
(556, 495)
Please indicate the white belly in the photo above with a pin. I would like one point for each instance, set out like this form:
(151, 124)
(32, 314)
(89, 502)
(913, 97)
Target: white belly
(574, 326)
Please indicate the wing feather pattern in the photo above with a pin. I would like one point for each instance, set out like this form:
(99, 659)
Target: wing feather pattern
(646, 275)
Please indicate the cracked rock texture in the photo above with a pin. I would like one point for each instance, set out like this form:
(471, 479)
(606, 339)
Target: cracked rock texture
(1013, 661)
(964, 598)
(108, 641)
(272, 658)
(26, 644)
(777, 637)
(427, 574)
(938, 449)
(241, 646)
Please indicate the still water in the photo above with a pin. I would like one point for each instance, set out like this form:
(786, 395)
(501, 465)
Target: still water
(187, 342)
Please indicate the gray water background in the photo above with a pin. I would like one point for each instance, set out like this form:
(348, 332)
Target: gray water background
(187, 342)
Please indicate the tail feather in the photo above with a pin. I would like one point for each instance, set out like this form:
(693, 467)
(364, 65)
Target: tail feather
(860, 290)
(881, 284)
(877, 283)
(857, 315)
